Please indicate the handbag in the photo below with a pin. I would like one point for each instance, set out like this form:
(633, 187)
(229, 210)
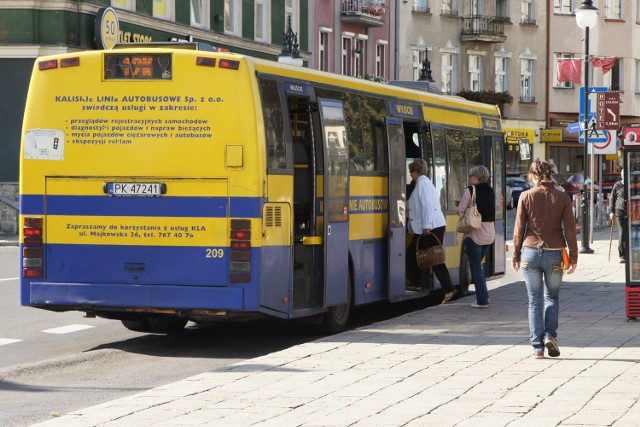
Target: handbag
(428, 257)
(471, 218)
(565, 259)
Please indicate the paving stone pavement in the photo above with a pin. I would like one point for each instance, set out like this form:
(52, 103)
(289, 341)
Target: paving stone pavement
(448, 365)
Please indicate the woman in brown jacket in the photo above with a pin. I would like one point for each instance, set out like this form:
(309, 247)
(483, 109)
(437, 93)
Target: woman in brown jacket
(544, 226)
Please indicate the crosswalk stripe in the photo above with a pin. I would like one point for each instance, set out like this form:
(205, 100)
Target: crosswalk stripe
(67, 329)
(4, 341)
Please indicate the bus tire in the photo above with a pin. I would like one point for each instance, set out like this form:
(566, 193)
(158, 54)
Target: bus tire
(336, 318)
(138, 325)
(465, 274)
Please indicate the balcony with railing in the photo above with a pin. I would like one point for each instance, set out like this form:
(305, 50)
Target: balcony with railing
(367, 13)
(479, 28)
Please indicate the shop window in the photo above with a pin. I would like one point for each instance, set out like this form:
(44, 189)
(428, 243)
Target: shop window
(164, 9)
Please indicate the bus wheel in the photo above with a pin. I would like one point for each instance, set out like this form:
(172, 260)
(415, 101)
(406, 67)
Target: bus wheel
(167, 325)
(465, 275)
(336, 318)
(138, 325)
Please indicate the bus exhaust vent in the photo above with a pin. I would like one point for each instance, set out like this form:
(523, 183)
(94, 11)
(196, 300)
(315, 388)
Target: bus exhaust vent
(273, 216)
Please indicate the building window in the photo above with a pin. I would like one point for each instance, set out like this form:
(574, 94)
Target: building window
(359, 57)
(566, 84)
(449, 7)
(526, 80)
(421, 6)
(124, 4)
(381, 54)
(323, 51)
(501, 73)
(347, 56)
(417, 56)
(527, 12)
(261, 20)
(448, 73)
(563, 7)
(502, 9)
(291, 8)
(615, 77)
(163, 9)
(612, 9)
(199, 13)
(475, 72)
(232, 16)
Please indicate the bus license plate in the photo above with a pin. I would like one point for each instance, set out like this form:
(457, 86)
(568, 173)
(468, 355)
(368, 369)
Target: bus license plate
(135, 189)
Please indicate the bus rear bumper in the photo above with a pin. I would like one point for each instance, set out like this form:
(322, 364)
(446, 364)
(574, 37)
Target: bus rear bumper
(82, 296)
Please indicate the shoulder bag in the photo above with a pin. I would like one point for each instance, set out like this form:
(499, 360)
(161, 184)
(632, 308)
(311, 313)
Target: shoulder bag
(471, 218)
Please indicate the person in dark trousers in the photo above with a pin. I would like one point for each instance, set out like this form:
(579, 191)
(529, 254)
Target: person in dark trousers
(478, 241)
(618, 206)
(425, 217)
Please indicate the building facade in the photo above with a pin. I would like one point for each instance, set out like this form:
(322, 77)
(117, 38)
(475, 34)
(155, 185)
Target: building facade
(611, 39)
(483, 47)
(353, 37)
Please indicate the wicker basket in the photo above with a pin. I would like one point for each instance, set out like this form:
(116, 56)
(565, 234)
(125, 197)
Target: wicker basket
(431, 256)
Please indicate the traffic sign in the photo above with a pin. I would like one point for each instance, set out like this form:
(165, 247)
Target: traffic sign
(606, 147)
(593, 133)
(591, 100)
(575, 127)
(608, 110)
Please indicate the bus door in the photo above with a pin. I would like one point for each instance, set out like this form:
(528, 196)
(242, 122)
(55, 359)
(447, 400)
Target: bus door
(498, 183)
(307, 249)
(397, 208)
(335, 202)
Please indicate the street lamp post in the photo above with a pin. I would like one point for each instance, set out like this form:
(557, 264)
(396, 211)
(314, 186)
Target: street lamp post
(586, 18)
(290, 53)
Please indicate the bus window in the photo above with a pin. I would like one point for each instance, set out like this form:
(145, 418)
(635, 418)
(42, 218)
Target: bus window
(473, 149)
(440, 165)
(373, 112)
(457, 171)
(274, 125)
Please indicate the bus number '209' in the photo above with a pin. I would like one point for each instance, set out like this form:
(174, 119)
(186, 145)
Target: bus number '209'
(214, 253)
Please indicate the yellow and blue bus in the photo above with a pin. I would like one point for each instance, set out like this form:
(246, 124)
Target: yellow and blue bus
(162, 184)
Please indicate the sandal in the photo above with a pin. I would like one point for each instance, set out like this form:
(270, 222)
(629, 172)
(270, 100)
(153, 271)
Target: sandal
(449, 296)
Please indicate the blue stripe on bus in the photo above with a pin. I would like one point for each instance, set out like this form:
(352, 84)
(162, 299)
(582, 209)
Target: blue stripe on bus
(142, 275)
(164, 206)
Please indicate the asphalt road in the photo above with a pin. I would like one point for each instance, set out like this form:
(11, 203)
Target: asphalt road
(57, 362)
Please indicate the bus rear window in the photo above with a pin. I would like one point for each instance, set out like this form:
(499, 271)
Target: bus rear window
(137, 66)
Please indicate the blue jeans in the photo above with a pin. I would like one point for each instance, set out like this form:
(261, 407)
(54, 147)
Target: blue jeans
(544, 306)
(475, 254)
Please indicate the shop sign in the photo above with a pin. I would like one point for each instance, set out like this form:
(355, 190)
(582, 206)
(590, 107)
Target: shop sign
(561, 123)
(631, 136)
(513, 136)
(551, 135)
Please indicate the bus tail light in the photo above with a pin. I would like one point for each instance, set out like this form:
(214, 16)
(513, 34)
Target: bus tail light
(32, 247)
(205, 61)
(229, 64)
(48, 65)
(74, 61)
(240, 251)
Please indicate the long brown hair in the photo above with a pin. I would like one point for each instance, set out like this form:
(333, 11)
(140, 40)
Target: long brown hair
(541, 170)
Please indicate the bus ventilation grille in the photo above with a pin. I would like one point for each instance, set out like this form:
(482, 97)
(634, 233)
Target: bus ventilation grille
(273, 216)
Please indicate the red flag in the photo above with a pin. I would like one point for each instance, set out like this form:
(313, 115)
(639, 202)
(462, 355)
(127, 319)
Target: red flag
(569, 70)
(606, 63)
